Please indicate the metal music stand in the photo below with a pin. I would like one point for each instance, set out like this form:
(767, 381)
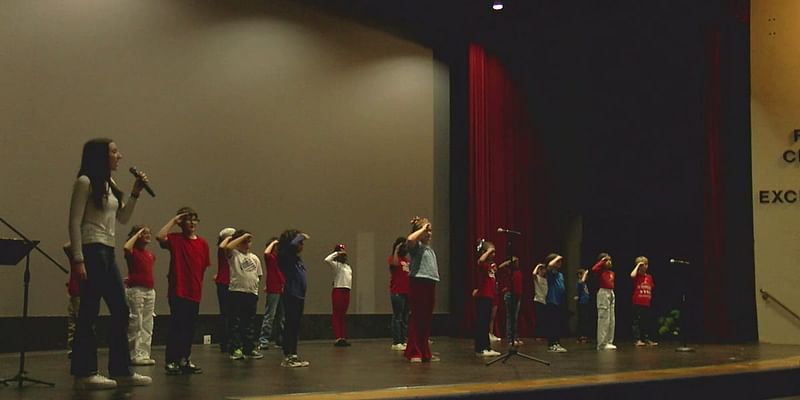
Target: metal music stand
(512, 347)
(12, 251)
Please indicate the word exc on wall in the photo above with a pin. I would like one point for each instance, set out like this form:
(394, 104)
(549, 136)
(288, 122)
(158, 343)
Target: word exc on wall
(784, 196)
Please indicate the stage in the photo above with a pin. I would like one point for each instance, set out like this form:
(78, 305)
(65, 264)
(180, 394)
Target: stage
(369, 369)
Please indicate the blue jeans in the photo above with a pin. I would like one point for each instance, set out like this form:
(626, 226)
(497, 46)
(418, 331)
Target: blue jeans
(399, 318)
(273, 316)
(103, 280)
(512, 311)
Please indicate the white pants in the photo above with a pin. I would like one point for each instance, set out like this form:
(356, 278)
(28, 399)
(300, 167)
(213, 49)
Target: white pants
(605, 317)
(141, 302)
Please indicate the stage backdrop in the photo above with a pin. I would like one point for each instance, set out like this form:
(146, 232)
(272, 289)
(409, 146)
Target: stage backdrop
(775, 101)
(263, 115)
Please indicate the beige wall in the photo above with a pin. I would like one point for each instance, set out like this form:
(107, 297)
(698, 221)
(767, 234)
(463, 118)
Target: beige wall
(263, 115)
(775, 108)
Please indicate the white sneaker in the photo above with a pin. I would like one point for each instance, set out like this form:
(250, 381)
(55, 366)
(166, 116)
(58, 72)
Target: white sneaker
(487, 353)
(399, 347)
(143, 361)
(133, 380)
(556, 349)
(608, 346)
(93, 382)
(493, 338)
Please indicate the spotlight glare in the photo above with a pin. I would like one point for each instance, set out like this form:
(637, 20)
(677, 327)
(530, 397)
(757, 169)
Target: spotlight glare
(497, 5)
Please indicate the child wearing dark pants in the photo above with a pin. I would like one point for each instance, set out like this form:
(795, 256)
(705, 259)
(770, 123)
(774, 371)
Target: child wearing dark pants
(555, 298)
(189, 258)
(245, 269)
(223, 279)
(642, 296)
(290, 245)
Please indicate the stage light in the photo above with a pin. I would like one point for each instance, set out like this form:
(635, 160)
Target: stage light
(497, 5)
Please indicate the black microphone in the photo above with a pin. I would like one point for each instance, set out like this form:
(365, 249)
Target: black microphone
(137, 174)
(501, 230)
(676, 261)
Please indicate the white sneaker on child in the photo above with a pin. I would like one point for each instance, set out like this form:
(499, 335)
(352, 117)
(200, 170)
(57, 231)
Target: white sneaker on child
(133, 380)
(93, 382)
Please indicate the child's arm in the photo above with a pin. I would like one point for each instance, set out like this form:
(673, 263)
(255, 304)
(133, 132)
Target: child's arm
(636, 270)
(508, 262)
(585, 276)
(132, 241)
(412, 239)
(600, 264)
(395, 261)
(330, 259)
(537, 268)
(164, 231)
(231, 244)
(270, 247)
(486, 255)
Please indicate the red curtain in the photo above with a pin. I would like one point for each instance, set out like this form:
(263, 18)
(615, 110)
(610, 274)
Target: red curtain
(505, 179)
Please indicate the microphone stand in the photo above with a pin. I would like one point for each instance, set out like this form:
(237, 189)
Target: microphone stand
(512, 347)
(21, 375)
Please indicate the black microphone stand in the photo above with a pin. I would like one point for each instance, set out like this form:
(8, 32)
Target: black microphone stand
(683, 348)
(21, 375)
(512, 346)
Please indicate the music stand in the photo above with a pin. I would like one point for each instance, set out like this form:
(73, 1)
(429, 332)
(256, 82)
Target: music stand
(512, 347)
(12, 251)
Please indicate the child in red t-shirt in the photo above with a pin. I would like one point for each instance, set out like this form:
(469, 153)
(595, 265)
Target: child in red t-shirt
(398, 292)
(484, 294)
(189, 258)
(272, 324)
(141, 294)
(642, 297)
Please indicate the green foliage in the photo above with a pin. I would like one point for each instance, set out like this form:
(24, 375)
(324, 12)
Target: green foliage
(670, 324)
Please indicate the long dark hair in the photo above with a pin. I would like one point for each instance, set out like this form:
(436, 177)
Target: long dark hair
(94, 164)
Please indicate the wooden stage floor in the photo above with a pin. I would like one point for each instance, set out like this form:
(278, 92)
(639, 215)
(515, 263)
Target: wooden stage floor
(369, 369)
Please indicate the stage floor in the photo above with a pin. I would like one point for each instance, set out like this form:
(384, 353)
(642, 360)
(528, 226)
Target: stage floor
(369, 365)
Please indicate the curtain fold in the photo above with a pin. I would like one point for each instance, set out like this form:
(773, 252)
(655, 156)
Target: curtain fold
(505, 181)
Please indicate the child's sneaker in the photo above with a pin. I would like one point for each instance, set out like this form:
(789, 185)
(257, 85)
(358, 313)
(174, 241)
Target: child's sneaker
(640, 343)
(399, 347)
(172, 368)
(493, 338)
(487, 353)
(237, 355)
(94, 382)
(143, 361)
(133, 380)
(651, 343)
(254, 354)
(188, 368)
(293, 361)
(556, 349)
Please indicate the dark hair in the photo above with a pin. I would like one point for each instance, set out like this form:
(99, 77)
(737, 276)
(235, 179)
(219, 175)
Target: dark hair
(402, 251)
(287, 252)
(94, 164)
(134, 229)
(602, 255)
(239, 233)
(483, 246)
(272, 239)
(187, 210)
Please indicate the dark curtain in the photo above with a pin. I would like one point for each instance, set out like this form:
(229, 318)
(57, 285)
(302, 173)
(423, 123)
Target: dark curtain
(506, 187)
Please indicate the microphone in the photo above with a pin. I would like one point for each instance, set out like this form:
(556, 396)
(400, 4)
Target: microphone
(501, 230)
(137, 174)
(676, 261)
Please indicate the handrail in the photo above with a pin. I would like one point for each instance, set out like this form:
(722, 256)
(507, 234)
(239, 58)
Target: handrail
(766, 296)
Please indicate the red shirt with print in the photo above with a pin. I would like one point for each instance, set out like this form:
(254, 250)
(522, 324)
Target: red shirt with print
(643, 289)
(510, 280)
